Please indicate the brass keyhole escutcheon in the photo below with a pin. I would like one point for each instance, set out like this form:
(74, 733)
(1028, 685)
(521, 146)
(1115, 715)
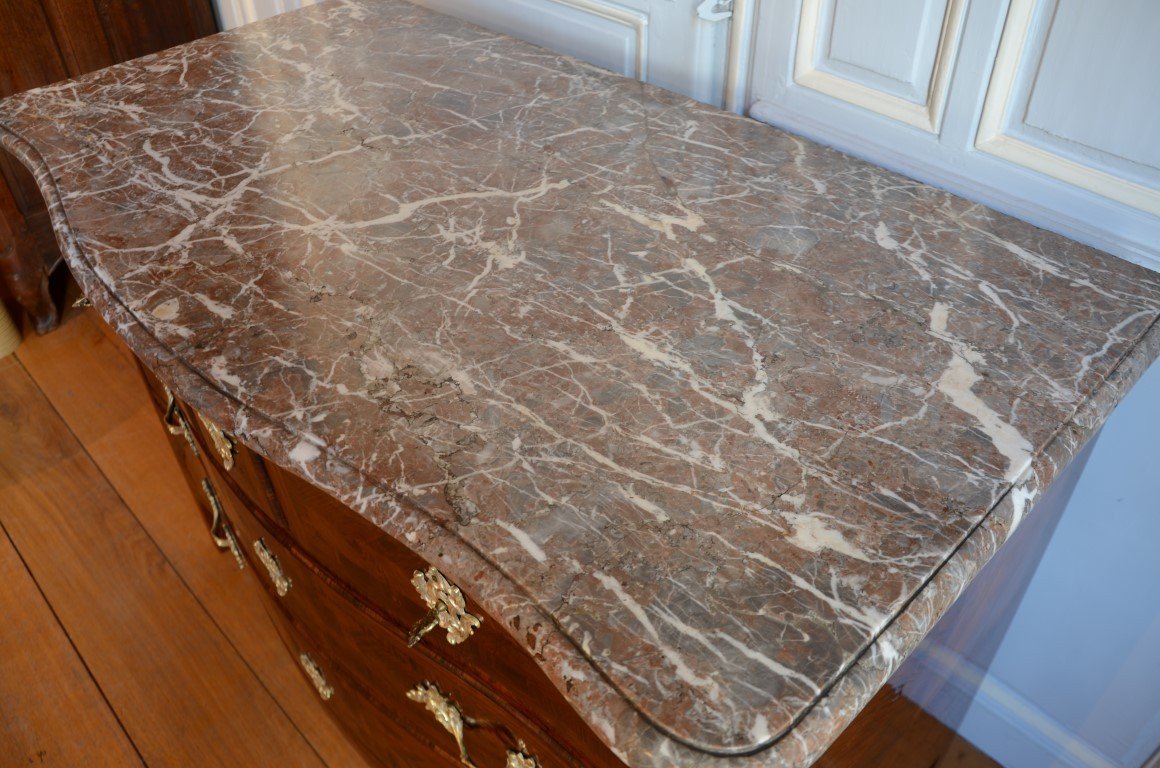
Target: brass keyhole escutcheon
(446, 608)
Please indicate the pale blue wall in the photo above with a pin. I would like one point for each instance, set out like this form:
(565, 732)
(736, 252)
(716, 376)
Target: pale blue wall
(1082, 654)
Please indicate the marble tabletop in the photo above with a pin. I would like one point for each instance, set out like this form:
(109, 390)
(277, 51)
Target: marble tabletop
(726, 417)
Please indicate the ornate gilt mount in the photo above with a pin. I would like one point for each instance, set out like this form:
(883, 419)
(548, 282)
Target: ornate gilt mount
(519, 758)
(223, 442)
(446, 713)
(447, 608)
(314, 672)
(175, 422)
(277, 576)
(223, 535)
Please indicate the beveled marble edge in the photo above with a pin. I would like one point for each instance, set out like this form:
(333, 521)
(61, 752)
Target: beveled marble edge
(610, 713)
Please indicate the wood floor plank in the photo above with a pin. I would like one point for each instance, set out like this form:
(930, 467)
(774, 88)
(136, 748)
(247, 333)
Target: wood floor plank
(181, 691)
(89, 377)
(894, 731)
(51, 712)
(961, 753)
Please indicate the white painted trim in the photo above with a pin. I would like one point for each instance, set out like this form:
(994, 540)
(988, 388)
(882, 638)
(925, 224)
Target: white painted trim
(636, 20)
(738, 60)
(1008, 705)
(927, 116)
(245, 11)
(235, 13)
(993, 136)
(946, 172)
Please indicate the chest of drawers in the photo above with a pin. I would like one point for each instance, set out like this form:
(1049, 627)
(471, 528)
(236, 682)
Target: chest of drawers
(703, 425)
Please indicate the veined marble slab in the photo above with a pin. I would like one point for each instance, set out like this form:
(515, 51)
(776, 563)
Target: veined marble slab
(730, 416)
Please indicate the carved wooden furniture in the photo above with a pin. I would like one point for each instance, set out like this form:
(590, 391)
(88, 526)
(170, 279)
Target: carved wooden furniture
(45, 41)
(705, 425)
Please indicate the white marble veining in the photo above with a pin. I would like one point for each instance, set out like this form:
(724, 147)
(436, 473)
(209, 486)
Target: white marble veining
(729, 417)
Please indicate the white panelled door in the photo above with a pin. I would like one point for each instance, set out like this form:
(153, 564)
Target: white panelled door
(661, 41)
(235, 13)
(1047, 109)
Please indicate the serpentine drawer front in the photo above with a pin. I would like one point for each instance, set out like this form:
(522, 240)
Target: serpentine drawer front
(244, 470)
(327, 620)
(374, 654)
(700, 425)
(385, 739)
(378, 567)
(316, 585)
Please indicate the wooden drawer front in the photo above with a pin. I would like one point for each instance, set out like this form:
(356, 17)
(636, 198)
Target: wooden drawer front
(241, 468)
(379, 569)
(373, 651)
(187, 450)
(378, 659)
(379, 735)
(372, 564)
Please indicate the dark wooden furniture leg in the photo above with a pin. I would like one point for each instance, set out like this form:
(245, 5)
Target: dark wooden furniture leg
(25, 274)
(46, 41)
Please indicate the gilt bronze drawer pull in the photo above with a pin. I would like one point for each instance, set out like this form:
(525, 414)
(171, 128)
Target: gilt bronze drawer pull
(314, 672)
(223, 442)
(175, 422)
(221, 532)
(448, 714)
(519, 758)
(447, 608)
(278, 577)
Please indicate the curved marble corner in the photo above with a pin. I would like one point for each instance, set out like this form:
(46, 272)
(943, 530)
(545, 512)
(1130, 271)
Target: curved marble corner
(686, 703)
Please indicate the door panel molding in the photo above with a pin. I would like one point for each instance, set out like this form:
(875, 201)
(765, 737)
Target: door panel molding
(1080, 214)
(926, 112)
(605, 33)
(950, 157)
(1000, 133)
(234, 13)
(635, 20)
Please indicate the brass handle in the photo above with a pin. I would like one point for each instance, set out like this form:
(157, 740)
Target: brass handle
(223, 442)
(278, 578)
(314, 672)
(175, 422)
(448, 714)
(223, 535)
(446, 608)
(519, 758)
